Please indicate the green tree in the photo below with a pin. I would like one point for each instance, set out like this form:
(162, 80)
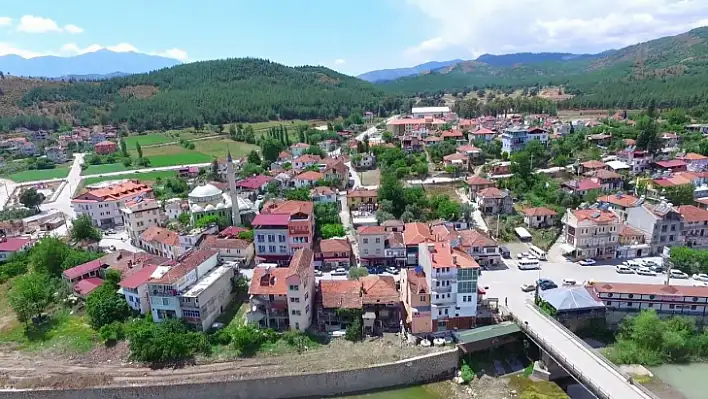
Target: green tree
(648, 138)
(104, 306)
(83, 229)
(48, 255)
(168, 341)
(184, 218)
(31, 199)
(332, 230)
(271, 148)
(249, 170)
(254, 158)
(591, 196)
(298, 194)
(30, 295)
(139, 149)
(123, 149)
(679, 195)
(355, 273)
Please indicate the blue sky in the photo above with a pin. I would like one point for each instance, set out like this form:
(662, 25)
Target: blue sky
(352, 36)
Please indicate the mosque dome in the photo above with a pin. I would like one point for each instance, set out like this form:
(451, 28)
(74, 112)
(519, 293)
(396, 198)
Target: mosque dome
(204, 191)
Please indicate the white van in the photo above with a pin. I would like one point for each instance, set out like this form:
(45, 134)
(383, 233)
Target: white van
(529, 264)
(537, 252)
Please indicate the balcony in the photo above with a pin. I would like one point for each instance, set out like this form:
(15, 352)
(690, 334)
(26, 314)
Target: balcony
(442, 288)
(444, 276)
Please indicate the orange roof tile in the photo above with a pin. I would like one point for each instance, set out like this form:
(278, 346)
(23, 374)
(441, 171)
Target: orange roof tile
(596, 215)
(416, 233)
(692, 213)
(335, 245)
(115, 192)
(492, 192)
(540, 211)
(622, 200)
(371, 230)
(310, 176)
(161, 235)
(269, 281)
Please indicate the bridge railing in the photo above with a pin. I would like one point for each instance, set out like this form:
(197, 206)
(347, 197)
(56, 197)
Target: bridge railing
(563, 361)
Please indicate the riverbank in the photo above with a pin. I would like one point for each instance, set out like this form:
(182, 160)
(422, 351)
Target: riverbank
(679, 381)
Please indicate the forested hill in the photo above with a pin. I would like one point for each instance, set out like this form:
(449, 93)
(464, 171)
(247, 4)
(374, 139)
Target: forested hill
(673, 71)
(216, 92)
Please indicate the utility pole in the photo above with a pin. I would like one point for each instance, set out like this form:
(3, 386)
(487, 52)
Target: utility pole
(498, 217)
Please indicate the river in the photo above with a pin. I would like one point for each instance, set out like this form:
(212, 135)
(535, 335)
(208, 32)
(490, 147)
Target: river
(688, 379)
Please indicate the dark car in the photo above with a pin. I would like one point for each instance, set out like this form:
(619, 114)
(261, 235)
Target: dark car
(546, 284)
(375, 270)
(505, 253)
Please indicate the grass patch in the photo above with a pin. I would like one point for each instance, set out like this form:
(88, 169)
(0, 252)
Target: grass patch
(63, 332)
(447, 189)
(39, 174)
(148, 139)
(438, 390)
(544, 238)
(144, 177)
(219, 147)
(371, 177)
(528, 370)
(185, 158)
(105, 168)
(166, 158)
(528, 389)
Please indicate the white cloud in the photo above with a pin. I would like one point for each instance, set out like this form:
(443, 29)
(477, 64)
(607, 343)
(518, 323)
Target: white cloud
(175, 53)
(340, 61)
(8, 48)
(73, 29)
(32, 24)
(469, 28)
(70, 49)
(5, 21)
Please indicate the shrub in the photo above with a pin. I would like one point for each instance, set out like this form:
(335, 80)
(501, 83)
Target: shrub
(354, 331)
(221, 337)
(466, 373)
(111, 333)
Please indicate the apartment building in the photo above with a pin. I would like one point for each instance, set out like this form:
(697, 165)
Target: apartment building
(139, 215)
(334, 253)
(160, 241)
(694, 232)
(451, 276)
(591, 233)
(362, 199)
(103, 205)
(493, 201)
(283, 297)
(619, 203)
(638, 160)
(626, 299)
(281, 229)
(230, 249)
(371, 242)
(661, 224)
(415, 298)
(515, 138)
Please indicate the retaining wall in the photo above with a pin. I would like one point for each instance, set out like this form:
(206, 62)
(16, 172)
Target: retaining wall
(417, 370)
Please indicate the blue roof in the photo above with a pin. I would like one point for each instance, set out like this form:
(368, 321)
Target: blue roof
(571, 298)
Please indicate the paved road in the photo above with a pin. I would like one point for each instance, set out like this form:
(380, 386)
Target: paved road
(145, 170)
(347, 223)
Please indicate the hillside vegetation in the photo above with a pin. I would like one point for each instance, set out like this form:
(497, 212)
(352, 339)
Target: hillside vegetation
(672, 71)
(216, 92)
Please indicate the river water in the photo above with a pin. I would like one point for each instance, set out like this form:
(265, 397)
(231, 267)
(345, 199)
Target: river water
(689, 379)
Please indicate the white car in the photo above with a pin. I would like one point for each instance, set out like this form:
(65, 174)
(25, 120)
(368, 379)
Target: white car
(678, 274)
(645, 271)
(528, 287)
(569, 281)
(622, 269)
(587, 262)
(522, 255)
(340, 271)
(700, 284)
(700, 277)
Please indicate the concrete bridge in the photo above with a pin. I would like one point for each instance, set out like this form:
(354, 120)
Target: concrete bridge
(565, 353)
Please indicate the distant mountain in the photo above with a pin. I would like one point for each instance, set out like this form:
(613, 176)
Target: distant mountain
(507, 60)
(91, 77)
(392, 74)
(102, 62)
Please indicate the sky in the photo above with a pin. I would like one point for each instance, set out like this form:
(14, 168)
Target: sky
(351, 36)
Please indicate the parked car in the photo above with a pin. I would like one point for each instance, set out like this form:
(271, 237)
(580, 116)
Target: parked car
(622, 269)
(505, 253)
(375, 270)
(528, 287)
(569, 281)
(546, 284)
(109, 232)
(587, 262)
(700, 277)
(522, 255)
(340, 271)
(677, 274)
(645, 271)
(318, 273)
(392, 270)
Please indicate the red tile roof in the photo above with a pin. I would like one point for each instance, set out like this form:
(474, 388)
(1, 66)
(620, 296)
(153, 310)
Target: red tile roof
(593, 164)
(492, 192)
(138, 278)
(321, 190)
(478, 181)
(335, 245)
(371, 230)
(289, 207)
(541, 211)
(596, 215)
(474, 238)
(417, 283)
(310, 176)
(13, 244)
(232, 231)
(254, 182)
(185, 265)
(86, 286)
(482, 131)
(692, 156)
(379, 289)
(629, 231)
(673, 163)
(161, 235)
(692, 213)
(455, 156)
(467, 148)
(416, 233)
(269, 281)
(622, 200)
(115, 192)
(341, 294)
(84, 268)
(442, 255)
(263, 219)
(362, 192)
(214, 242)
(307, 158)
(650, 289)
(452, 133)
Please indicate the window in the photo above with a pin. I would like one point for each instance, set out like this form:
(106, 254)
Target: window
(307, 309)
(672, 306)
(608, 303)
(283, 249)
(445, 311)
(630, 296)
(693, 307)
(165, 301)
(260, 238)
(465, 287)
(281, 238)
(629, 304)
(271, 238)
(366, 240)
(366, 251)
(422, 298)
(294, 300)
(378, 240)
(307, 295)
(295, 313)
(294, 288)
(271, 248)
(437, 296)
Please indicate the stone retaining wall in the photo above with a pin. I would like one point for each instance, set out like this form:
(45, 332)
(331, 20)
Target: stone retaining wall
(428, 368)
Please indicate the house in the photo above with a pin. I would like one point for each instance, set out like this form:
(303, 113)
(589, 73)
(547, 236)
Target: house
(492, 201)
(194, 288)
(303, 161)
(632, 243)
(402, 126)
(323, 195)
(134, 289)
(411, 143)
(581, 187)
(617, 166)
(451, 275)
(395, 249)
(362, 199)
(414, 234)
(364, 161)
(672, 165)
(139, 215)
(335, 171)
(175, 207)
(375, 297)
(94, 269)
(694, 162)
(460, 161)
(539, 217)
(298, 149)
(281, 229)
(230, 249)
(103, 205)
(254, 184)
(694, 231)
(483, 249)
(11, 245)
(473, 153)
(619, 203)
(393, 225)
(600, 139)
(590, 166)
(160, 241)
(282, 298)
(371, 242)
(454, 135)
(105, 147)
(335, 253)
(430, 140)
(661, 224)
(415, 299)
(669, 140)
(627, 299)
(476, 184)
(515, 138)
(56, 154)
(607, 179)
(591, 233)
(327, 145)
(483, 134)
(285, 156)
(307, 179)
(637, 160)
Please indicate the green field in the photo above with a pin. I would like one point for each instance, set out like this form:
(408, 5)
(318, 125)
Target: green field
(148, 139)
(179, 159)
(43, 174)
(144, 177)
(105, 168)
(219, 147)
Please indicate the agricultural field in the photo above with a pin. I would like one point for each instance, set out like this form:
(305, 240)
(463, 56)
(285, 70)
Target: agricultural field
(144, 177)
(148, 139)
(219, 147)
(39, 174)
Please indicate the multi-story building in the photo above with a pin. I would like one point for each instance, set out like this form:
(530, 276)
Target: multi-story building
(230, 249)
(281, 229)
(539, 217)
(694, 232)
(160, 241)
(362, 199)
(619, 203)
(515, 138)
(323, 195)
(139, 215)
(282, 297)
(492, 201)
(695, 162)
(105, 147)
(451, 276)
(375, 296)
(395, 250)
(626, 299)
(607, 179)
(414, 234)
(415, 298)
(480, 246)
(632, 243)
(371, 242)
(591, 233)
(638, 160)
(335, 252)
(135, 289)
(307, 179)
(56, 154)
(476, 184)
(661, 224)
(103, 205)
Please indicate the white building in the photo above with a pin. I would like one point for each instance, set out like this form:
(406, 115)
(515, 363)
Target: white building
(139, 215)
(515, 138)
(160, 241)
(175, 207)
(103, 205)
(430, 112)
